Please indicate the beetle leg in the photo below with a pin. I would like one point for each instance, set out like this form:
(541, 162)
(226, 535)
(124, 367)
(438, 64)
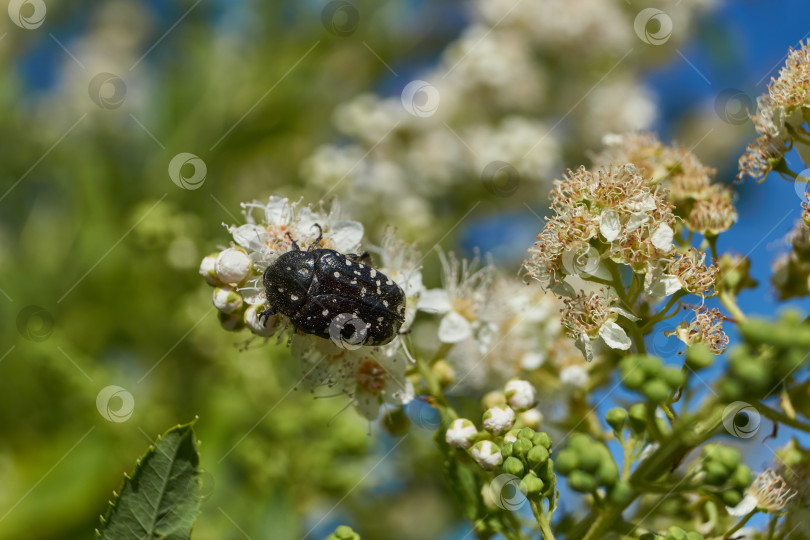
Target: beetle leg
(317, 241)
(294, 243)
(364, 257)
(266, 314)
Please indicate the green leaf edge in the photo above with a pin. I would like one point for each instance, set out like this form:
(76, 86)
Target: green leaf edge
(104, 519)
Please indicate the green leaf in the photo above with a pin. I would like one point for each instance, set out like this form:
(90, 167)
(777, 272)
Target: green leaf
(161, 498)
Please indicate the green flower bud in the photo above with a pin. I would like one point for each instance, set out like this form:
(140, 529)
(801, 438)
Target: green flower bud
(692, 535)
(673, 376)
(729, 457)
(731, 389)
(649, 365)
(581, 481)
(675, 533)
(567, 461)
(731, 497)
(542, 439)
(616, 418)
(507, 450)
(608, 473)
(699, 356)
(536, 456)
(232, 322)
(637, 414)
(621, 493)
(546, 472)
(580, 442)
(526, 433)
(344, 532)
(716, 473)
(513, 466)
(656, 390)
(521, 447)
(742, 477)
(590, 459)
(531, 485)
(633, 379)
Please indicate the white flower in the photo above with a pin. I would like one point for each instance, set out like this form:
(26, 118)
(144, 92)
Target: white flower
(499, 419)
(264, 327)
(487, 454)
(460, 433)
(461, 301)
(520, 395)
(232, 266)
(768, 491)
(575, 376)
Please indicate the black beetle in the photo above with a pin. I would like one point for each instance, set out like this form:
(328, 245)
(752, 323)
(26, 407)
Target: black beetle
(323, 292)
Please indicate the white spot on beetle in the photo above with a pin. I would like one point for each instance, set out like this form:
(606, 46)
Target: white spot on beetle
(281, 289)
(379, 319)
(325, 312)
(378, 284)
(293, 297)
(363, 291)
(356, 273)
(289, 268)
(354, 282)
(385, 303)
(303, 271)
(373, 273)
(389, 282)
(348, 262)
(336, 274)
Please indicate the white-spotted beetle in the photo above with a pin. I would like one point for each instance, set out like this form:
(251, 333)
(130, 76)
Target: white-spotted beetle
(321, 288)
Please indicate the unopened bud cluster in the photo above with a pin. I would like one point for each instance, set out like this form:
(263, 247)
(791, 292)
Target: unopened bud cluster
(588, 465)
(647, 375)
(722, 470)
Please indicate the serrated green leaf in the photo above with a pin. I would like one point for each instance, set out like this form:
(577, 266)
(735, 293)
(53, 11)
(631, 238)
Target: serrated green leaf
(161, 497)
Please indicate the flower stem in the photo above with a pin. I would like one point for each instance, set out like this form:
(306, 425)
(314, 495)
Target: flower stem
(740, 524)
(542, 521)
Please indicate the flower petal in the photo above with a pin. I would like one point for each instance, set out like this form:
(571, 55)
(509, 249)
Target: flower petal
(636, 220)
(745, 506)
(346, 235)
(434, 301)
(278, 211)
(662, 237)
(454, 328)
(609, 225)
(615, 336)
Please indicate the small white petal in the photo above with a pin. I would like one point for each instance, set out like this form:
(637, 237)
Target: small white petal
(226, 299)
(278, 211)
(662, 237)
(434, 301)
(660, 285)
(346, 235)
(454, 328)
(249, 236)
(615, 336)
(745, 506)
(609, 225)
(637, 220)
(583, 343)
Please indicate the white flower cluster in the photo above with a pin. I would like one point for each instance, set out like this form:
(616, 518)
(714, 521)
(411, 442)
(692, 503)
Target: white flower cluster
(494, 98)
(368, 375)
(493, 328)
(613, 216)
(520, 397)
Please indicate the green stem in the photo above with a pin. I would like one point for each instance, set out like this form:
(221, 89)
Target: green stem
(730, 302)
(740, 524)
(542, 521)
(658, 317)
(777, 416)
